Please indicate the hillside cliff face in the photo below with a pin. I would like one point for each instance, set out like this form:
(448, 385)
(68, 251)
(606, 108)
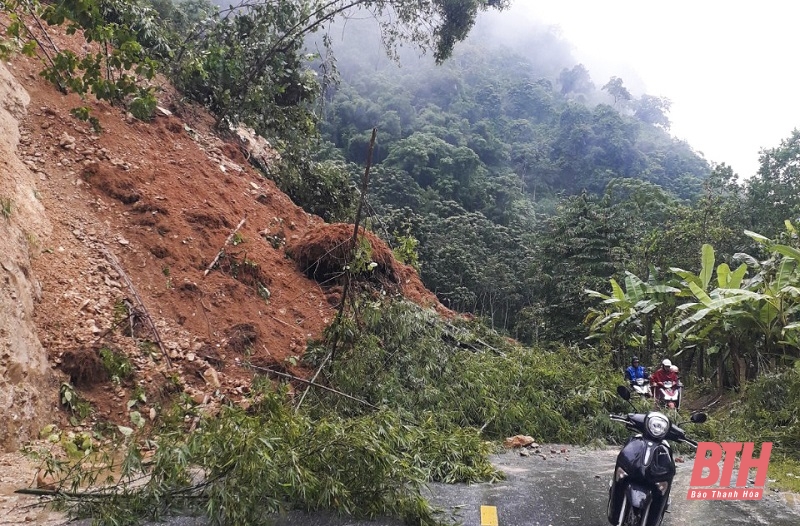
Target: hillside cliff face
(28, 387)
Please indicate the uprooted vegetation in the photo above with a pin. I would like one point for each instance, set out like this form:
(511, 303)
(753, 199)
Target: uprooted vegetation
(328, 252)
(411, 398)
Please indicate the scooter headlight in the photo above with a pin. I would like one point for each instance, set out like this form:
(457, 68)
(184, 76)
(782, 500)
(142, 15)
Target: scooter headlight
(657, 425)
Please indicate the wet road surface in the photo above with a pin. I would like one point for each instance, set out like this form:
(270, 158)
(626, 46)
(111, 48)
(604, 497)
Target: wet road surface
(565, 489)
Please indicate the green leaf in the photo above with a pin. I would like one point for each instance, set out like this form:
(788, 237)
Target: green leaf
(735, 280)
(789, 252)
(707, 265)
(126, 431)
(757, 237)
(137, 419)
(616, 290)
(700, 294)
(723, 275)
(689, 277)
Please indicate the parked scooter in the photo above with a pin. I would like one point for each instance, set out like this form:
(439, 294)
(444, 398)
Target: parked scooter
(639, 489)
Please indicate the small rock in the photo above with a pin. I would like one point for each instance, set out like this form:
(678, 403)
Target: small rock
(47, 482)
(152, 413)
(123, 241)
(190, 356)
(66, 141)
(523, 452)
(211, 377)
(518, 441)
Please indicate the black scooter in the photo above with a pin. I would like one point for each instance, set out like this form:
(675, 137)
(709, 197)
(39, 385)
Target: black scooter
(640, 486)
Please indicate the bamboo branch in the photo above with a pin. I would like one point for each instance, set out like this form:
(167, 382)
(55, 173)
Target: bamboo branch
(222, 250)
(140, 304)
(310, 384)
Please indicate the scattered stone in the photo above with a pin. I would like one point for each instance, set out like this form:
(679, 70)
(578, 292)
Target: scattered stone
(211, 377)
(523, 452)
(518, 441)
(66, 141)
(47, 482)
(163, 111)
(123, 241)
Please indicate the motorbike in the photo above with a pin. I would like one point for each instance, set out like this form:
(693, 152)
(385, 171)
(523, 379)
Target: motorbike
(639, 489)
(641, 386)
(670, 395)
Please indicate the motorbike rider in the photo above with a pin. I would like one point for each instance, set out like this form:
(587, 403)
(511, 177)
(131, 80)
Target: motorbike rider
(634, 371)
(665, 373)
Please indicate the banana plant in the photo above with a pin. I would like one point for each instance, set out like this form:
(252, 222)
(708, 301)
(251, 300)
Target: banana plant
(628, 318)
(744, 320)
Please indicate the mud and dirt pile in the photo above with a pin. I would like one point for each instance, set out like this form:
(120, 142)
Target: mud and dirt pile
(325, 252)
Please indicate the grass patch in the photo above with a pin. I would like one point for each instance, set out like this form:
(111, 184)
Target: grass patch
(6, 205)
(786, 473)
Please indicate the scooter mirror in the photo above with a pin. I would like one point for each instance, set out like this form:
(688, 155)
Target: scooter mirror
(699, 418)
(623, 392)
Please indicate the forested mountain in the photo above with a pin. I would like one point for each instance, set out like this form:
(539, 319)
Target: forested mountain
(473, 156)
(552, 132)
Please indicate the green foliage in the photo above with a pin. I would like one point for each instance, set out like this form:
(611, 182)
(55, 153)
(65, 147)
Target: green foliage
(268, 459)
(739, 321)
(113, 65)
(406, 249)
(83, 113)
(117, 365)
(409, 359)
(321, 188)
(70, 399)
(6, 205)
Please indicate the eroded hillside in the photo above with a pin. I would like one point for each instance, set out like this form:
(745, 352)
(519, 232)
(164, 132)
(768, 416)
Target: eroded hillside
(128, 222)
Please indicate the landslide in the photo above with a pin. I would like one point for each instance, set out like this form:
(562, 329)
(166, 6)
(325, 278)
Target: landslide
(137, 213)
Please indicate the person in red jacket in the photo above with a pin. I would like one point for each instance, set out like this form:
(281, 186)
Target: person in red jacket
(662, 375)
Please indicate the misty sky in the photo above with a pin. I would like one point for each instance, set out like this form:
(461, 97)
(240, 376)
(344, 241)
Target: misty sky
(730, 68)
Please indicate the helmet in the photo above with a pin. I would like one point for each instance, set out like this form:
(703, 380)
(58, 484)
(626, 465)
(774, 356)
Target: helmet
(635, 359)
(666, 363)
(674, 369)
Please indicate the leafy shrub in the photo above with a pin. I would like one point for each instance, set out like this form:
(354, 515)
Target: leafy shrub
(117, 365)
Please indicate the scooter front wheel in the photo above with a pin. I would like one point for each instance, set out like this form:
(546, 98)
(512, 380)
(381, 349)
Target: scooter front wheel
(635, 517)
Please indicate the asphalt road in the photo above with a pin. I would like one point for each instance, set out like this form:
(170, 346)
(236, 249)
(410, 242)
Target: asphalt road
(564, 489)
